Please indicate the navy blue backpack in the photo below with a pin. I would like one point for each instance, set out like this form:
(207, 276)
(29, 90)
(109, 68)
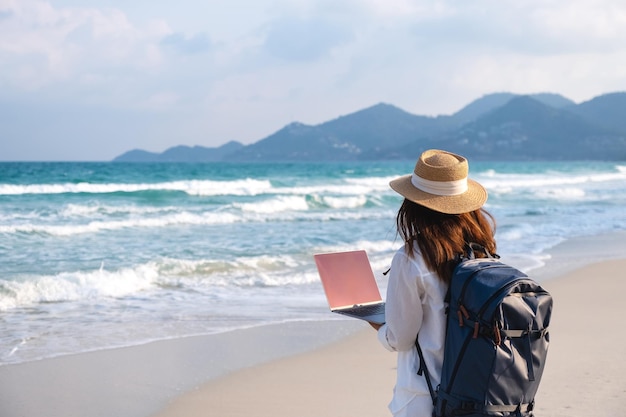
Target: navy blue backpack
(496, 341)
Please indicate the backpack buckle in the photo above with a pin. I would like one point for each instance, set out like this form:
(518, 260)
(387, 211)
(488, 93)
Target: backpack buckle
(467, 405)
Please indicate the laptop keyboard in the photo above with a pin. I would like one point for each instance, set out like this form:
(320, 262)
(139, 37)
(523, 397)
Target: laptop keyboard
(366, 310)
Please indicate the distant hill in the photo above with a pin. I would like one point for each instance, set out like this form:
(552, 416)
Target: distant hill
(345, 138)
(384, 123)
(137, 155)
(181, 154)
(491, 102)
(525, 129)
(608, 110)
(502, 126)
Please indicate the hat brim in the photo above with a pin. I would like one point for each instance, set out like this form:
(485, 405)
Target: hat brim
(470, 200)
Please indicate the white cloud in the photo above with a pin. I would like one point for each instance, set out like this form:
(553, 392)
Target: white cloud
(241, 69)
(530, 27)
(46, 45)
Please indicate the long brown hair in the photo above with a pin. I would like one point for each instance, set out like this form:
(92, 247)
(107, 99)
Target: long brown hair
(443, 237)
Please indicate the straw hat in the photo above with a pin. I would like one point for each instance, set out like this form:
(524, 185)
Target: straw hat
(440, 183)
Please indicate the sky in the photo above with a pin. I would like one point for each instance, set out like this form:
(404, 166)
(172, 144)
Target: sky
(87, 80)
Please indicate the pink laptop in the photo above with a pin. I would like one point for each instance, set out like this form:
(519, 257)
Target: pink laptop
(350, 285)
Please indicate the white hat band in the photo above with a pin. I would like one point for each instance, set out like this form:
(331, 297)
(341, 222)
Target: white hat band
(439, 187)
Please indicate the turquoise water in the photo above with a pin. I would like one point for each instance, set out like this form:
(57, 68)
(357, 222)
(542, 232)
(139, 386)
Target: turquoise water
(97, 255)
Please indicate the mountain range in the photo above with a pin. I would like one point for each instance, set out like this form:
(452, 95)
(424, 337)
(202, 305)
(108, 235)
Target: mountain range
(500, 126)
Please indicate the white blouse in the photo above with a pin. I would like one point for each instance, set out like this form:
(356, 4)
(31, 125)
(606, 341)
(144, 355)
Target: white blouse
(414, 303)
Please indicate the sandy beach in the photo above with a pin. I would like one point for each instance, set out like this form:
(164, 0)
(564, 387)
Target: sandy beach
(585, 374)
(331, 368)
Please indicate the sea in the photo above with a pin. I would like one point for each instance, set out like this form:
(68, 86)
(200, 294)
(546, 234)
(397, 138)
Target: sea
(104, 255)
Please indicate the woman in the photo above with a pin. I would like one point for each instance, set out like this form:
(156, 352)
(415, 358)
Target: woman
(440, 214)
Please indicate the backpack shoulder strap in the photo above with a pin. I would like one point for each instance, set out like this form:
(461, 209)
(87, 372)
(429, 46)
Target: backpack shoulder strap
(423, 370)
(471, 248)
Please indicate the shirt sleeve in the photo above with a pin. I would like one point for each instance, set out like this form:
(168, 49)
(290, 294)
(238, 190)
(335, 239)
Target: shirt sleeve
(403, 307)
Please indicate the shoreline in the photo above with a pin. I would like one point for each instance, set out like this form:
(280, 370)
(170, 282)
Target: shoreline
(140, 380)
(156, 378)
(578, 252)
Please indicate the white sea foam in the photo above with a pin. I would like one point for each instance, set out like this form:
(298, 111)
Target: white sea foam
(347, 186)
(193, 187)
(198, 275)
(500, 182)
(561, 193)
(242, 187)
(275, 205)
(345, 202)
(375, 183)
(372, 247)
(83, 210)
(250, 187)
(72, 286)
(236, 272)
(182, 218)
(292, 208)
(332, 189)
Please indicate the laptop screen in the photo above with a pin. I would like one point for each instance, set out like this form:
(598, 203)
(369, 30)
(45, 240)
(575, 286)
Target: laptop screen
(347, 278)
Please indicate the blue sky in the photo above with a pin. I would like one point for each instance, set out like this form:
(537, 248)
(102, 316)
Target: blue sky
(91, 79)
